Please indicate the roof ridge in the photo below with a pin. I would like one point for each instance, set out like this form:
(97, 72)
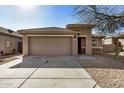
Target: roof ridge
(44, 28)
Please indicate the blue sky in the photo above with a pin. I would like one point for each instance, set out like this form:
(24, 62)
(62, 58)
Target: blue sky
(21, 17)
(17, 17)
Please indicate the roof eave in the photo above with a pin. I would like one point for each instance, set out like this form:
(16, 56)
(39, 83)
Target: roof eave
(47, 32)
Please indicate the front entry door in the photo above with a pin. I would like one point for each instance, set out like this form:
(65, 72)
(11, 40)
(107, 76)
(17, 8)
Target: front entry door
(79, 45)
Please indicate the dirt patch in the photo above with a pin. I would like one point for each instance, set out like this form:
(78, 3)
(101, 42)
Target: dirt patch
(106, 70)
(7, 60)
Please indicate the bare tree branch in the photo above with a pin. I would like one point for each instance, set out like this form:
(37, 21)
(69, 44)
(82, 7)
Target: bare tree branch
(107, 18)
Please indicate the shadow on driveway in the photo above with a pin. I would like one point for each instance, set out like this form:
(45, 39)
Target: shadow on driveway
(48, 62)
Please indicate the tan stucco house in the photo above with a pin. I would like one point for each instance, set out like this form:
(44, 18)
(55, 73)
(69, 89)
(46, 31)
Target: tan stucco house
(73, 40)
(10, 41)
(109, 42)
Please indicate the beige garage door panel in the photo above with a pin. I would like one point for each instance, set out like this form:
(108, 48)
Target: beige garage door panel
(50, 46)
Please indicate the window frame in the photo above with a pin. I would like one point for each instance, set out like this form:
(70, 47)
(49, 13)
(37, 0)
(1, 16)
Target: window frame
(96, 42)
(7, 43)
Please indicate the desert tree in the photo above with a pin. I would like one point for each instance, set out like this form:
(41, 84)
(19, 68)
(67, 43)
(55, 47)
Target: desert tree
(108, 19)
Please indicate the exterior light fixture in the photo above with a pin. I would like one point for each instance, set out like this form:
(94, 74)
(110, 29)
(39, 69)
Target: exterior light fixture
(74, 36)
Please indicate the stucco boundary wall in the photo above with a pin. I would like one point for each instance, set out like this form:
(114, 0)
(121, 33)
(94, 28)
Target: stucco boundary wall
(109, 48)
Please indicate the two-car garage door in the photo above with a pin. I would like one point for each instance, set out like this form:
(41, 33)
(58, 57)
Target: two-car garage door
(50, 46)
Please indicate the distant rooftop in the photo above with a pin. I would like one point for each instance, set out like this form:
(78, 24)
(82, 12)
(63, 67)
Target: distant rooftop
(80, 25)
(97, 35)
(9, 32)
(120, 35)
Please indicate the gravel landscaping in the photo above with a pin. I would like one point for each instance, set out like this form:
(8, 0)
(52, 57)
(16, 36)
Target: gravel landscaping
(107, 71)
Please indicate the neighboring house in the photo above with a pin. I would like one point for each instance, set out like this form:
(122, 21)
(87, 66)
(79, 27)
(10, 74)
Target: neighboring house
(10, 41)
(73, 40)
(108, 45)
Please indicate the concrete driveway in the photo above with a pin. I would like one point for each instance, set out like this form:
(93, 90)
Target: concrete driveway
(45, 72)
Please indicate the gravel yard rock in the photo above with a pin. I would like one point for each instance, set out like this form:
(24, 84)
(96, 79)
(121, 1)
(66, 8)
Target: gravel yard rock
(107, 71)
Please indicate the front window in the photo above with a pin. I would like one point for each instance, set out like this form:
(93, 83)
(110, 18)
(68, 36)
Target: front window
(7, 44)
(94, 43)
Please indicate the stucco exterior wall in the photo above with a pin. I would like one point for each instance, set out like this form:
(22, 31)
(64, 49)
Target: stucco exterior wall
(25, 45)
(13, 43)
(88, 43)
(75, 46)
(86, 32)
(108, 45)
(98, 49)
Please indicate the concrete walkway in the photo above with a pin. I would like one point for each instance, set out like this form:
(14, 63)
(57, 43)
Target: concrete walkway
(45, 72)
